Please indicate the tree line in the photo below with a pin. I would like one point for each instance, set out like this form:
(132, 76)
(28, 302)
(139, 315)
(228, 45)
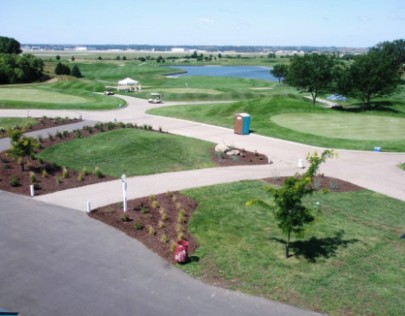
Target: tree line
(374, 74)
(16, 67)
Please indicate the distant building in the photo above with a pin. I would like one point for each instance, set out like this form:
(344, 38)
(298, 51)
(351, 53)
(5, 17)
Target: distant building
(80, 48)
(178, 50)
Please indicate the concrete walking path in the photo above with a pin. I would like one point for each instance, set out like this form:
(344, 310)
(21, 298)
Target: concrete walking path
(376, 171)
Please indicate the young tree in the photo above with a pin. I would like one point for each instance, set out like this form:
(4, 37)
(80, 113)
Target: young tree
(290, 213)
(279, 71)
(311, 73)
(76, 72)
(62, 69)
(21, 146)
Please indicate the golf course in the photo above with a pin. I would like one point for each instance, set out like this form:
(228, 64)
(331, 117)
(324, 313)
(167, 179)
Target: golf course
(347, 262)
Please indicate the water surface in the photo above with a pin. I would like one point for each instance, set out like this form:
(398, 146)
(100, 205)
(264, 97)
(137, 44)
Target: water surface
(250, 72)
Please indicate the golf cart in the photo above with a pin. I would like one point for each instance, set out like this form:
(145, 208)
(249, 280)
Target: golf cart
(155, 98)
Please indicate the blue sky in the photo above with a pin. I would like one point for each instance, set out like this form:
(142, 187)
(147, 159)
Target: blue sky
(352, 23)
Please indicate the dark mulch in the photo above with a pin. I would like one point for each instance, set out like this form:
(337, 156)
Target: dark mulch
(323, 183)
(159, 217)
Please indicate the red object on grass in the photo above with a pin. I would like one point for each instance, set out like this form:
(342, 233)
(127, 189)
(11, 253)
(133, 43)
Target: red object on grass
(181, 255)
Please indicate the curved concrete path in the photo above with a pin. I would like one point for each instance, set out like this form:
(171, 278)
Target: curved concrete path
(376, 171)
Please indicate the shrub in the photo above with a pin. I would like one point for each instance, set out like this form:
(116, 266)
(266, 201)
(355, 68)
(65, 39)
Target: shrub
(151, 230)
(138, 226)
(99, 174)
(164, 239)
(59, 134)
(33, 178)
(172, 246)
(181, 218)
(180, 236)
(50, 136)
(110, 126)
(78, 133)
(144, 209)
(84, 171)
(179, 228)
(14, 181)
(58, 179)
(65, 173)
(155, 204)
(163, 216)
(161, 224)
(65, 133)
(80, 177)
(44, 173)
(152, 198)
(125, 218)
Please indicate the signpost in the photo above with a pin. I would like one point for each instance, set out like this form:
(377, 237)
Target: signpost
(124, 191)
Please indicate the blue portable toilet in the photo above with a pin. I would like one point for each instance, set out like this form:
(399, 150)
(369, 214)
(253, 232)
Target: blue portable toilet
(242, 123)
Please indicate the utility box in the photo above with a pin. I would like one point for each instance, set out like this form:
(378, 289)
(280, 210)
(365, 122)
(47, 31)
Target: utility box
(242, 124)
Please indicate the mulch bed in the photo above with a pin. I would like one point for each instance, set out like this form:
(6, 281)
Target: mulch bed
(322, 182)
(155, 221)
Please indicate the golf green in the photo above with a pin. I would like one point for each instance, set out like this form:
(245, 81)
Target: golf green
(344, 125)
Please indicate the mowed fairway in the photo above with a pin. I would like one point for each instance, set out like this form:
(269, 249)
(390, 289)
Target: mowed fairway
(344, 126)
(29, 95)
(49, 97)
(131, 152)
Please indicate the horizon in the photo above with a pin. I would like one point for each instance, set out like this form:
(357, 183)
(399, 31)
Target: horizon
(294, 23)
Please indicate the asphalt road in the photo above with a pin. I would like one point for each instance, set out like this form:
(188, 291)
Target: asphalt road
(57, 261)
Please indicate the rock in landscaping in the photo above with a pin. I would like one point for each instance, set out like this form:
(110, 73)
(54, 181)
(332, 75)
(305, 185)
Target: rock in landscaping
(221, 148)
(233, 152)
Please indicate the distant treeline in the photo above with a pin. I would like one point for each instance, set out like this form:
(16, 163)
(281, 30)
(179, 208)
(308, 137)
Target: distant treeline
(211, 48)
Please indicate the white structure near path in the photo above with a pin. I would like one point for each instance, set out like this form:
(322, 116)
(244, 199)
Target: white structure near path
(128, 84)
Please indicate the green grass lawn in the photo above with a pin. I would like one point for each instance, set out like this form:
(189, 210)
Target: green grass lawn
(345, 125)
(131, 152)
(11, 122)
(293, 117)
(349, 263)
(62, 95)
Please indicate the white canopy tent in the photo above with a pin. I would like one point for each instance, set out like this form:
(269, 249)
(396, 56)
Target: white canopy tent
(128, 84)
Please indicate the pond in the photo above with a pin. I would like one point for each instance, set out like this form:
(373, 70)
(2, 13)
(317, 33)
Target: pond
(250, 72)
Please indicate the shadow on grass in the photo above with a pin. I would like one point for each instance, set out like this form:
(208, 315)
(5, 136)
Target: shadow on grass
(315, 248)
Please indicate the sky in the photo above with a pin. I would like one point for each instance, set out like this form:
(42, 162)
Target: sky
(341, 23)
